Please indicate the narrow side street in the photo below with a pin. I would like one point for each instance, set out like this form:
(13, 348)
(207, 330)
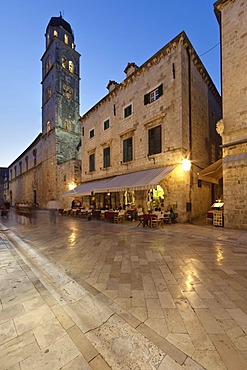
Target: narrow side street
(94, 295)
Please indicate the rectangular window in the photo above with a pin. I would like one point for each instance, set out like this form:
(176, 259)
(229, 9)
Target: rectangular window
(26, 160)
(34, 157)
(128, 111)
(154, 140)
(106, 155)
(91, 133)
(128, 150)
(106, 124)
(92, 162)
(153, 95)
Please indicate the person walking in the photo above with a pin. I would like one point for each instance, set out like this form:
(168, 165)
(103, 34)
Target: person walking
(53, 206)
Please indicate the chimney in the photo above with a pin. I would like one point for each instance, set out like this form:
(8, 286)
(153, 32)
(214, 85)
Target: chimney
(131, 68)
(111, 85)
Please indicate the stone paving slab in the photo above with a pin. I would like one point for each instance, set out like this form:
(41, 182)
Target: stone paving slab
(124, 347)
(182, 288)
(31, 337)
(56, 350)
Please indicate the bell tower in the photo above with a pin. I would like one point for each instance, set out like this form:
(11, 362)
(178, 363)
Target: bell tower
(60, 91)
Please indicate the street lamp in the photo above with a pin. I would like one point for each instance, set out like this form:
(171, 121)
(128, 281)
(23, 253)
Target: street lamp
(186, 164)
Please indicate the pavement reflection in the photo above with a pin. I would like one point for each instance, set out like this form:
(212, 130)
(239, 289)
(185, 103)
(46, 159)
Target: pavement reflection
(177, 286)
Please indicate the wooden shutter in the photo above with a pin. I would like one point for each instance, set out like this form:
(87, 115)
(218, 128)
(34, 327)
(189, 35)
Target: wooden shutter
(147, 99)
(160, 88)
(154, 136)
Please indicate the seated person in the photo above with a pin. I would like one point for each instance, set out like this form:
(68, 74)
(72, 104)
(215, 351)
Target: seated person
(139, 210)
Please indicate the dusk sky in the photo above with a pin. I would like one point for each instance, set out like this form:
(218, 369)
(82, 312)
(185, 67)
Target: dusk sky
(108, 35)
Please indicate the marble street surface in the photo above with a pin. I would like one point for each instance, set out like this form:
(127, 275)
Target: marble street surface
(94, 295)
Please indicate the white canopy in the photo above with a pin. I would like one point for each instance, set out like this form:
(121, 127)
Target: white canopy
(141, 180)
(86, 189)
(212, 173)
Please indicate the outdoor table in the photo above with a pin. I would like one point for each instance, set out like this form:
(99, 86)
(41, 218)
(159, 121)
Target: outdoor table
(96, 214)
(147, 218)
(109, 215)
(130, 214)
(74, 211)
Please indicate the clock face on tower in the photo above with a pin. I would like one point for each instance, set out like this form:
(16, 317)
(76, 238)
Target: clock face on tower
(67, 92)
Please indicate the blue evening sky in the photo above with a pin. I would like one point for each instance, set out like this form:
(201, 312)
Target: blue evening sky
(108, 35)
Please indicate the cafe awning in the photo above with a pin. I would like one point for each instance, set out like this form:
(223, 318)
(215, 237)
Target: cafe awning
(87, 188)
(212, 173)
(141, 180)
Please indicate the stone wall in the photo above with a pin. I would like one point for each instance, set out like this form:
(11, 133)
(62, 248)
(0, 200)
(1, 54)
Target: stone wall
(234, 127)
(47, 178)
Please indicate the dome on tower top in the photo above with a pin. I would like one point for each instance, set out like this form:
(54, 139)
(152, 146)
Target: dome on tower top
(60, 22)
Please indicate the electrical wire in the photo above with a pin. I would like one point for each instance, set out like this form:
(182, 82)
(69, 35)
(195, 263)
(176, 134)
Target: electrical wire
(209, 50)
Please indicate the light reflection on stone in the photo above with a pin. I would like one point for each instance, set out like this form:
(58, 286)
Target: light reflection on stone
(72, 238)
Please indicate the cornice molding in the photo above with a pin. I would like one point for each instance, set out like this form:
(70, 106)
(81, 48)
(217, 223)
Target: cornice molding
(91, 151)
(128, 132)
(155, 121)
(106, 143)
(220, 4)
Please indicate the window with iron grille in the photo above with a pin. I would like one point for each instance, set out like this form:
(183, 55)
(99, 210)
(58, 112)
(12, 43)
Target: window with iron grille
(128, 150)
(153, 95)
(154, 140)
(106, 157)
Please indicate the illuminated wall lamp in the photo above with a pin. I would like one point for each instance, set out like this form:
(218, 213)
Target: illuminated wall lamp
(186, 164)
(72, 185)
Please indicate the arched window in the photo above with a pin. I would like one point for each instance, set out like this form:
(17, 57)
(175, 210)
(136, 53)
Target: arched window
(71, 66)
(15, 171)
(48, 65)
(48, 93)
(66, 39)
(55, 33)
(48, 126)
(64, 62)
(67, 125)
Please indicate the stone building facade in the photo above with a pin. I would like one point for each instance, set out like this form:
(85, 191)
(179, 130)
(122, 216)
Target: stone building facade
(3, 175)
(162, 112)
(232, 16)
(52, 161)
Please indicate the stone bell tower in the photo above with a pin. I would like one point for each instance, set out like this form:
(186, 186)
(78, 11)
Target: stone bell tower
(60, 92)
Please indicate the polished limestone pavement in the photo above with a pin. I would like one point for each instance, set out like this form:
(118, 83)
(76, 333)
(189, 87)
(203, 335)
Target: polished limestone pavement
(84, 294)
